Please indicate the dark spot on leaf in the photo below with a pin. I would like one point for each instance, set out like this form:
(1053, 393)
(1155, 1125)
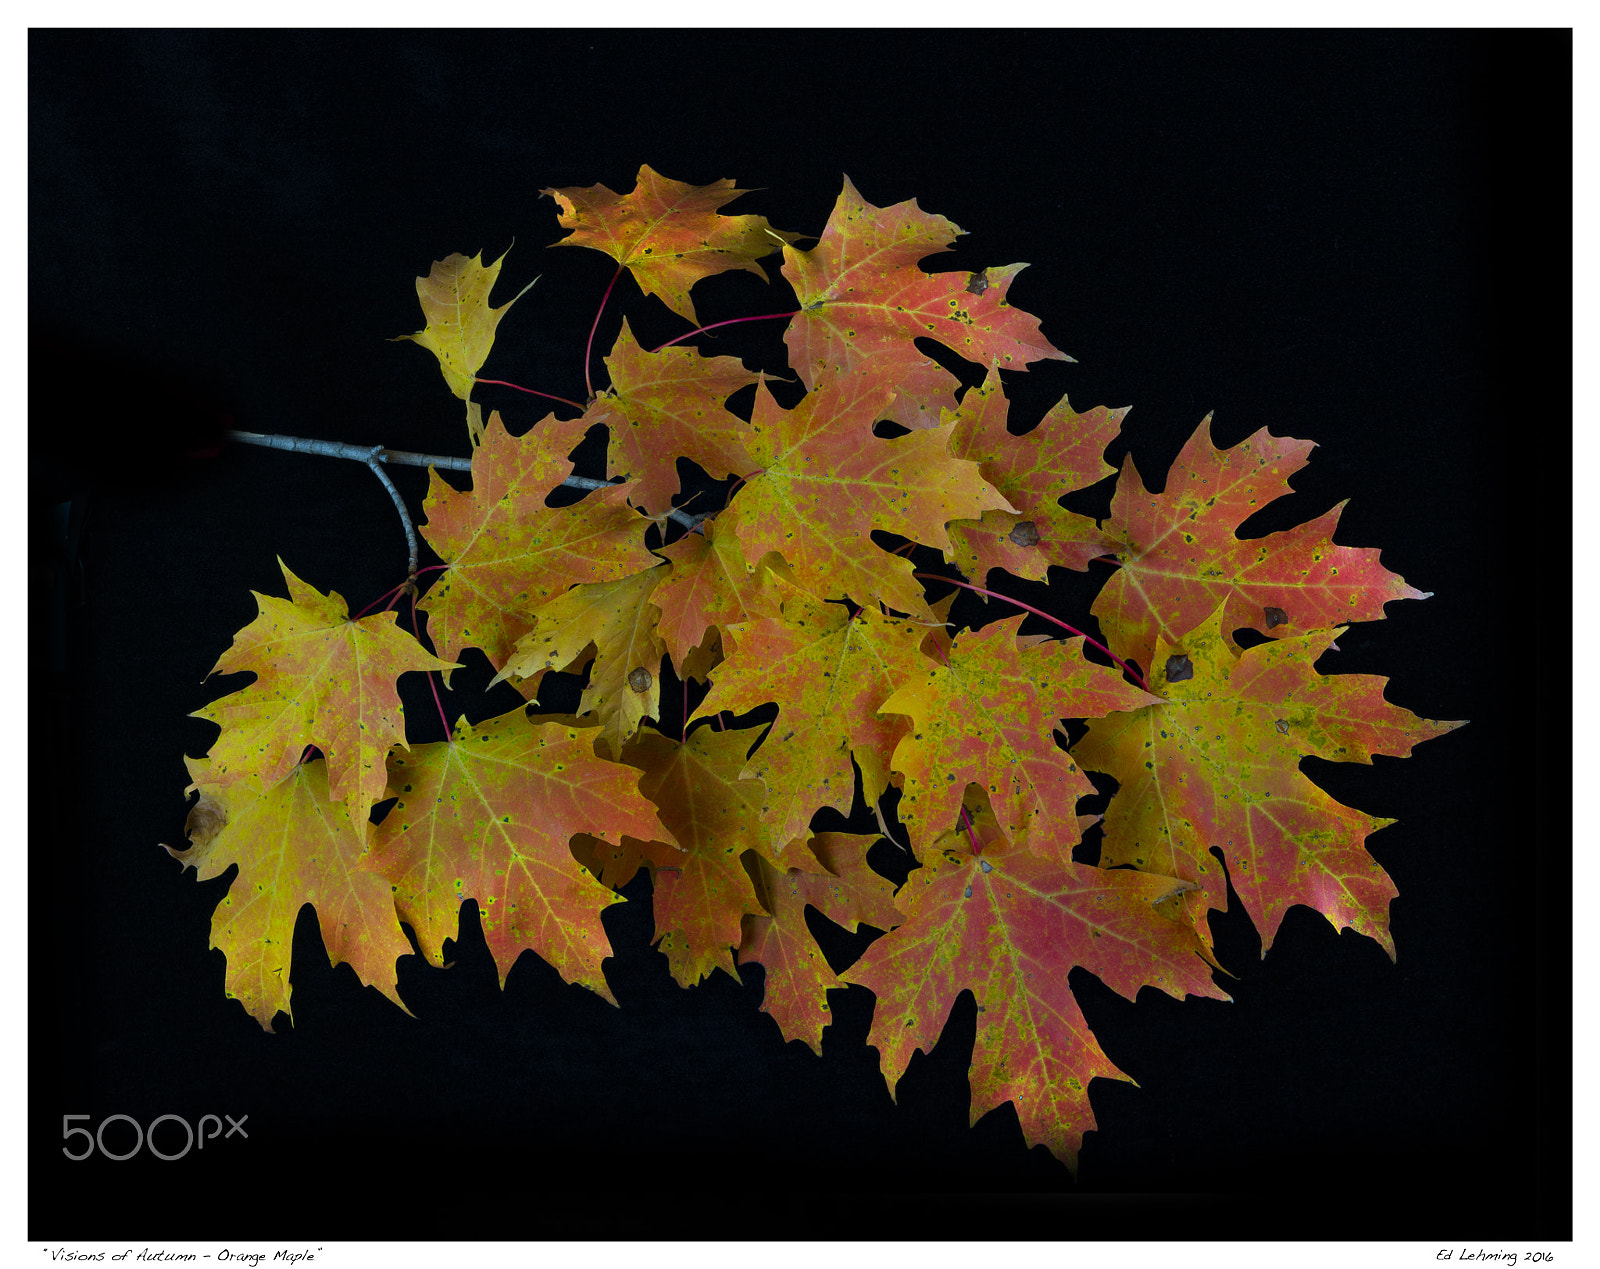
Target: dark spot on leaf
(1276, 617)
(639, 679)
(1179, 668)
(1025, 533)
(978, 283)
(1282, 724)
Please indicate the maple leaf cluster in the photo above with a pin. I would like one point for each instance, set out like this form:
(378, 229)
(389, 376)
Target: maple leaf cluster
(793, 595)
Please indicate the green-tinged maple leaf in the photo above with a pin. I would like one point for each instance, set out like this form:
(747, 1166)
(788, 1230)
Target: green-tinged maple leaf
(987, 718)
(1062, 453)
(293, 846)
(829, 482)
(863, 301)
(702, 892)
(798, 976)
(670, 406)
(489, 815)
(1217, 765)
(1009, 926)
(710, 588)
(507, 552)
(1180, 557)
(461, 325)
(667, 234)
(618, 621)
(829, 673)
(321, 679)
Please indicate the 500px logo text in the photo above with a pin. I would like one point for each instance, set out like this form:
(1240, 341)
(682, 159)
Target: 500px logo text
(194, 1137)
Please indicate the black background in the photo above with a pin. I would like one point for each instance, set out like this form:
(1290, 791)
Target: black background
(1361, 238)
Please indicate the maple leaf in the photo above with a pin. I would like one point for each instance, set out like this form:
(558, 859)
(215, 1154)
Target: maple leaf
(489, 815)
(1063, 452)
(710, 588)
(671, 406)
(1217, 765)
(798, 976)
(829, 482)
(830, 673)
(293, 845)
(617, 863)
(507, 552)
(461, 325)
(863, 301)
(1009, 926)
(987, 718)
(1180, 557)
(667, 234)
(618, 621)
(702, 891)
(321, 679)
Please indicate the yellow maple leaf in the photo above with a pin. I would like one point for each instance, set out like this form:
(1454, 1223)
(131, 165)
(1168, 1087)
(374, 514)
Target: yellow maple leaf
(294, 845)
(461, 325)
(618, 620)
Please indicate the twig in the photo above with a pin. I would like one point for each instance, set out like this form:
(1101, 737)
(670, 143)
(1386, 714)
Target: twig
(370, 456)
(360, 453)
(375, 465)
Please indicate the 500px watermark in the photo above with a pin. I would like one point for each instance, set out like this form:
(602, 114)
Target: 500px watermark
(195, 1137)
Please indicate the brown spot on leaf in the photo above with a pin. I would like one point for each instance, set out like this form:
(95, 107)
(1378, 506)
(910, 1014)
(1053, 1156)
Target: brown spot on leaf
(639, 679)
(206, 820)
(1275, 617)
(1025, 533)
(1179, 668)
(978, 283)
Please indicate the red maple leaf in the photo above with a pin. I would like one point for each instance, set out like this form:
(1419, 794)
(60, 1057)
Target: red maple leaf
(1180, 557)
(863, 301)
(1009, 927)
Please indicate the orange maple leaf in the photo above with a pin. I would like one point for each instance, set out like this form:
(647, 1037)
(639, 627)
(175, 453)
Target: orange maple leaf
(667, 234)
(798, 976)
(710, 588)
(507, 552)
(489, 815)
(671, 406)
(829, 482)
(863, 301)
(703, 890)
(1063, 452)
(987, 717)
(830, 674)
